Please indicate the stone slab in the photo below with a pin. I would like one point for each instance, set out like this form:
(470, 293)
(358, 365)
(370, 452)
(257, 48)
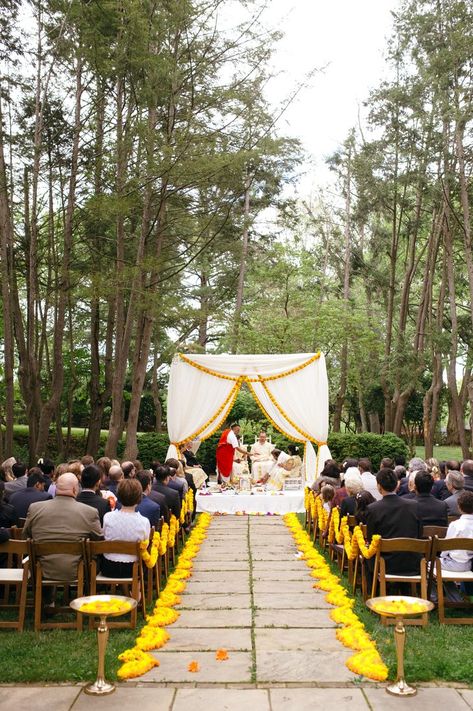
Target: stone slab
(294, 587)
(215, 602)
(284, 575)
(272, 565)
(270, 555)
(230, 556)
(173, 667)
(214, 576)
(217, 618)
(427, 699)
(276, 666)
(54, 698)
(468, 696)
(285, 618)
(310, 699)
(204, 640)
(296, 639)
(220, 565)
(125, 698)
(221, 699)
(309, 600)
(209, 587)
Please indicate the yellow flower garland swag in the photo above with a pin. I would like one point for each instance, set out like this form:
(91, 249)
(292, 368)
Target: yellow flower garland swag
(366, 661)
(137, 661)
(354, 543)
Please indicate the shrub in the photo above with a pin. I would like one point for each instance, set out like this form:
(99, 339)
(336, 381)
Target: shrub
(373, 446)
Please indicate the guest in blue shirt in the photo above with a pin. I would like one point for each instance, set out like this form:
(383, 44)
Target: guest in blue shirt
(148, 508)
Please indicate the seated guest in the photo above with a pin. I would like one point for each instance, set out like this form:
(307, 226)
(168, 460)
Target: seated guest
(353, 485)
(439, 489)
(162, 475)
(459, 561)
(430, 511)
(90, 493)
(455, 482)
(20, 473)
(8, 515)
(327, 494)
(62, 519)
(400, 471)
(128, 469)
(330, 474)
(387, 463)
(86, 460)
(368, 479)
(467, 471)
(454, 465)
(6, 469)
(178, 483)
(47, 466)
(115, 475)
(415, 465)
(124, 524)
(147, 507)
(34, 491)
(394, 517)
(363, 500)
(104, 464)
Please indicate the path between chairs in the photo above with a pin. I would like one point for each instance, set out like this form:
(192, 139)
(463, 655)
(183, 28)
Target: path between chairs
(251, 595)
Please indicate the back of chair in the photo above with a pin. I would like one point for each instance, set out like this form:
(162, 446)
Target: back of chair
(351, 521)
(431, 531)
(15, 548)
(405, 545)
(453, 518)
(57, 548)
(451, 544)
(96, 548)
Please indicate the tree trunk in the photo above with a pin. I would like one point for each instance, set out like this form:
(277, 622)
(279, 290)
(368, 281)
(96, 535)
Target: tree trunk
(242, 269)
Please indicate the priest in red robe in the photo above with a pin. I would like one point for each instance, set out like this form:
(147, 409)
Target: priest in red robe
(226, 447)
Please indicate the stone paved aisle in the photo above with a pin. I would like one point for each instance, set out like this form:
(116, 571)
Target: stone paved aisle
(250, 595)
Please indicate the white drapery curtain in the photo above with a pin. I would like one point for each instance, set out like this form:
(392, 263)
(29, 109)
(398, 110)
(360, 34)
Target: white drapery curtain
(292, 391)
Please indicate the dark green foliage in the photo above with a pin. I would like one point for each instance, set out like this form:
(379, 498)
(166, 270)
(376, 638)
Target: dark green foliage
(373, 446)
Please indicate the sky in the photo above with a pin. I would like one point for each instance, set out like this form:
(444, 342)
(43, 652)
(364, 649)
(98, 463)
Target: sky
(346, 40)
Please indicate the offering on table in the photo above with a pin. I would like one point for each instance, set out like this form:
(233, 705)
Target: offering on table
(106, 607)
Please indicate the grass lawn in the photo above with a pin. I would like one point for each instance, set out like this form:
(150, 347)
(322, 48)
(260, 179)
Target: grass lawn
(442, 453)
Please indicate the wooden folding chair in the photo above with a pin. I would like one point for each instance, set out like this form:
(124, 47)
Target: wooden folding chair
(431, 531)
(442, 576)
(402, 545)
(98, 548)
(38, 552)
(17, 575)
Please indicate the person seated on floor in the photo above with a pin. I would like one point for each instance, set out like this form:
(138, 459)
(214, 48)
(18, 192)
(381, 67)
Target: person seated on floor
(124, 524)
(90, 494)
(393, 517)
(430, 511)
(192, 465)
(363, 500)
(459, 561)
(34, 491)
(293, 464)
(147, 507)
(274, 479)
(353, 484)
(455, 482)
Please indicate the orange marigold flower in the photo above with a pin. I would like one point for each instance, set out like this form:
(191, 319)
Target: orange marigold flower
(193, 667)
(221, 655)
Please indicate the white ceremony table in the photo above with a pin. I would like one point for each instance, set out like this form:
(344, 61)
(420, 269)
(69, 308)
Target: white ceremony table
(233, 503)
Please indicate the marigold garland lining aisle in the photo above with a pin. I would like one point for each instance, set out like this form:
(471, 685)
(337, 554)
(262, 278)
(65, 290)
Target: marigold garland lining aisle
(367, 660)
(137, 660)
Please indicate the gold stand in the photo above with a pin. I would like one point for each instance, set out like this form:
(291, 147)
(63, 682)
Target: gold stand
(101, 687)
(400, 686)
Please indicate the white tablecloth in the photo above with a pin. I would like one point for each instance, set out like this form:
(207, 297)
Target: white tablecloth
(278, 503)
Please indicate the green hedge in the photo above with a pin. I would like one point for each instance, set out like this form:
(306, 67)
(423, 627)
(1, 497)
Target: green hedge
(373, 446)
(154, 446)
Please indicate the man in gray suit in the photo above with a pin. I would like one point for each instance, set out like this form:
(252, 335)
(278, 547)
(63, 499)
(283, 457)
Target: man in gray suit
(20, 472)
(455, 482)
(62, 519)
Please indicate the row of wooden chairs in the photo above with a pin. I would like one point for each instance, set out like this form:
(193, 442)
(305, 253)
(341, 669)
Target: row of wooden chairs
(24, 573)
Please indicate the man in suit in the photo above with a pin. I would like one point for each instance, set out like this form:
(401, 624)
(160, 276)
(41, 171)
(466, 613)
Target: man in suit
(90, 494)
(20, 473)
(467, 471)
(158, 498)
(455, 482)
(173, 501)
(147, 507)
(62, 519)
(115, 475)
(430, 511)
(34, 492)
(394, 517)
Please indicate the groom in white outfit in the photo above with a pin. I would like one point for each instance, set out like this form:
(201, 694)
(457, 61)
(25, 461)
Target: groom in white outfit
(260, 455)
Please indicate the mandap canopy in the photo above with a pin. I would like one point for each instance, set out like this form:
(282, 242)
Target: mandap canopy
(291, 390)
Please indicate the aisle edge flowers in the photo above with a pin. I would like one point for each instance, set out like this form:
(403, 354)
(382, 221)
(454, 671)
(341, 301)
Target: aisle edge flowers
(366, 661)
(137, 660)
